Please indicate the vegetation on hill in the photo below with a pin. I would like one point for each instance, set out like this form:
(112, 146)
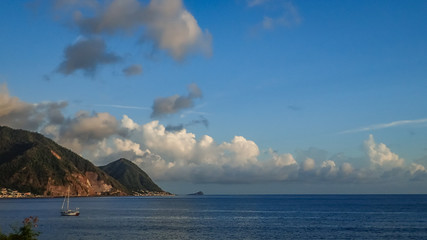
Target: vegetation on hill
(131, 176)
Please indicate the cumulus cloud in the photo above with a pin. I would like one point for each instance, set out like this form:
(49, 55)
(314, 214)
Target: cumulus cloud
(328, 168)
(133, 70)
(311, 153)
(242, 151)
(86, 55)
(87, 127)
(177, 144)
(175, 103)
(417, 172)
(308, 164)
(167, 24)
(181, 156)
(380, 155)
(346, 168)
(83, 131)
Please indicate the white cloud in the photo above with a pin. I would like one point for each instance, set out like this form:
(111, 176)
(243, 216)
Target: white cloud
(128, 123)
(176, 30)
(284, 160)
(128, 145)
(308, 164)
(242, 151)
(346, 168)
(177, 144)
(417, 168)
(328, 168)
(380, 155)
(418, 172)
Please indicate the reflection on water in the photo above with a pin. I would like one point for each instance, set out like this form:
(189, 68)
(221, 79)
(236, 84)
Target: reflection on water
(227, 217)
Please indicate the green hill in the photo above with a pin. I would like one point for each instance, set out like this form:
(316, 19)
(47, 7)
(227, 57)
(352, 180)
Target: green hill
(131, 176)
(30, 162)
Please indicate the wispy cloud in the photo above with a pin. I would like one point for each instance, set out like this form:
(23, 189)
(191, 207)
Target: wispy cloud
(253, 3)
(123, 106)
(385, 125)
(132, 70)
(278, 14)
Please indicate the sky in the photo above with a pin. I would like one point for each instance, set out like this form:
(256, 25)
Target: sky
(228, 96)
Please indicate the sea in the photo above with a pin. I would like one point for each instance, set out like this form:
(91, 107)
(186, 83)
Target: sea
(225, 217)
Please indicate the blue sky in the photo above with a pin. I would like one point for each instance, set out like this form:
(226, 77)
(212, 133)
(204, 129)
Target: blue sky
(244, 96)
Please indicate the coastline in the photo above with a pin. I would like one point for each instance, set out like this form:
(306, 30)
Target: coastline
(7, 193)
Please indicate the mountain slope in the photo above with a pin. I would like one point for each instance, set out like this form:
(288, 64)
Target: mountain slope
(30, 162)
(131, 176)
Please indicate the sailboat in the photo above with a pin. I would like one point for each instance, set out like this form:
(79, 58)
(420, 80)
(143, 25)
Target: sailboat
(68, 211)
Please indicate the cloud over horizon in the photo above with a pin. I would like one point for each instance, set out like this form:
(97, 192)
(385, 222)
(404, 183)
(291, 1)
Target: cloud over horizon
(180, 155)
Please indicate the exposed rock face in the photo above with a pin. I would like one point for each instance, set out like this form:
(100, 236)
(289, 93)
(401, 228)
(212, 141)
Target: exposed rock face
(81, 185)
(30, 162)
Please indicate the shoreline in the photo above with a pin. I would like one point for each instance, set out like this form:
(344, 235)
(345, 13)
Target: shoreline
(222, 195)
(104, 196)
(13, 194)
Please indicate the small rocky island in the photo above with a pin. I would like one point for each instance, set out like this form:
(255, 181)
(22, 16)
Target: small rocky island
(199, 193)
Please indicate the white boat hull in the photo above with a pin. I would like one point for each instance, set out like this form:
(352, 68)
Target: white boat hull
(70, 213)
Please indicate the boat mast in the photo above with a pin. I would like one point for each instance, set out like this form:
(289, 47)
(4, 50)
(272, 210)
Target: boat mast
(63, 203)
(68, 198)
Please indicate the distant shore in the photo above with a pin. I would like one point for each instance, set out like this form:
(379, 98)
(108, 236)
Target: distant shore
(7, 193)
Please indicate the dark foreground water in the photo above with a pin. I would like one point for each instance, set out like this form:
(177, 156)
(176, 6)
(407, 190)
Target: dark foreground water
(227, 217)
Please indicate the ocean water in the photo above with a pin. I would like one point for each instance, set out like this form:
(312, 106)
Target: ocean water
(226, 217)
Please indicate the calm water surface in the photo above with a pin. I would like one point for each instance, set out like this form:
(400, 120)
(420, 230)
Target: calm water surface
(227, 217)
